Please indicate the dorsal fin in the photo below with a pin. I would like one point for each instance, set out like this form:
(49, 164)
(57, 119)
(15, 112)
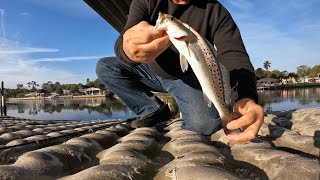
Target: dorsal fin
(183, 63)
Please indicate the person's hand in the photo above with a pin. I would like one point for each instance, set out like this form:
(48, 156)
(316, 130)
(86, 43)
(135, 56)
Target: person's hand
(250, 121)
(143, 44)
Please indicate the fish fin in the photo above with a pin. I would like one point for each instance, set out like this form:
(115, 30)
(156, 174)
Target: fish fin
(212, 47)
(207, 100)
(234, 94)
(183, 63)
(226, 84)
(187, 43)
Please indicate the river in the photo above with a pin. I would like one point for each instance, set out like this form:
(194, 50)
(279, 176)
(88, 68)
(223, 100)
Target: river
(112, 108)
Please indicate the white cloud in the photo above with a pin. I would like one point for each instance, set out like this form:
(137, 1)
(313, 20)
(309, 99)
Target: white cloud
(284, 32)
(64, 59)
(27, 50)
(75, 8)
(2, 23)
(18, 67)
(18, 64)
(243, 5)
(24, 14)
(9, 47)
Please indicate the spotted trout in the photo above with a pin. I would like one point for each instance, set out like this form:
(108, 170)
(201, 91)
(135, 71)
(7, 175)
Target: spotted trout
(197, 52)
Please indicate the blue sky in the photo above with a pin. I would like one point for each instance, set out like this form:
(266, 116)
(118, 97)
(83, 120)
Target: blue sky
(61, 40)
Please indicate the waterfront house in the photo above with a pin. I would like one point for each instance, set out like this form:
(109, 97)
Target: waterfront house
(267, 83)
(34, 94)
(91, 91)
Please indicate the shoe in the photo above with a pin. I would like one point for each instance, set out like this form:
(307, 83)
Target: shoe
(163, 114)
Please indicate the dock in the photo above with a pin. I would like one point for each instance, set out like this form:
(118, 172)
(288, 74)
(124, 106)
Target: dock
(288, 146)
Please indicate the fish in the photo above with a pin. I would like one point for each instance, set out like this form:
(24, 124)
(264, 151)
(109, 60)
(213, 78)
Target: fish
(200, 54)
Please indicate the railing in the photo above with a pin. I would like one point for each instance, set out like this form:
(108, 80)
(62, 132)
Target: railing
(3, 107)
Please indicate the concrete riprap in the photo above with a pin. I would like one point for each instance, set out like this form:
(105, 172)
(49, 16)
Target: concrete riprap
(287, 147)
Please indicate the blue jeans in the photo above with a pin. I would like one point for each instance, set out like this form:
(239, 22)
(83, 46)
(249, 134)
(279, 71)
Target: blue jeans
(133, 85)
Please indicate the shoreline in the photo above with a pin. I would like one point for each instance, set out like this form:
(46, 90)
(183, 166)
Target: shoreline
(59, 97)
(161, 94)
(287, 86)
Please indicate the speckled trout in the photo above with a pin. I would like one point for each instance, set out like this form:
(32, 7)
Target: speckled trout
(197, 52)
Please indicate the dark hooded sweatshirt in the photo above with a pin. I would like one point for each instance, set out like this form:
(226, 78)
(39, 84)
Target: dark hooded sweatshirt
(213, 22)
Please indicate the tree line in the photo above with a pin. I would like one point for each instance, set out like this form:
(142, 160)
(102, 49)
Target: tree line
(303, 71)
(50, 87)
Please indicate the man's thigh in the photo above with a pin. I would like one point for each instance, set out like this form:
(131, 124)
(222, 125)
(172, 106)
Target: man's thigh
(196, 113)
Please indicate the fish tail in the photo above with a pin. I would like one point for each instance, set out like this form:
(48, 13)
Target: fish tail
(231, 117)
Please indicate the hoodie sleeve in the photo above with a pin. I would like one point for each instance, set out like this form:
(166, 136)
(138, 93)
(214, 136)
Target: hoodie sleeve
(232, 53)
(138, 12)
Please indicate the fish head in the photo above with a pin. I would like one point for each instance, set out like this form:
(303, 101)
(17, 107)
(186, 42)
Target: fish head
(174, 28)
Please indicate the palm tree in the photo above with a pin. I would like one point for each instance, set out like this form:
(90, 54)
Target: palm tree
(88, 81)
(267, 65)
(293, 75)
(32, 85)
(259, 73)
(303, 71)
(19, 86)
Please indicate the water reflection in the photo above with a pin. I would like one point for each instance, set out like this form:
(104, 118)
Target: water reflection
(100, 108)
(289, 99)
(77, 109)
(112, 108)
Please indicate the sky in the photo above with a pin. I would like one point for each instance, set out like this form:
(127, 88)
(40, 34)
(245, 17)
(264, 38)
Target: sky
(61, 40)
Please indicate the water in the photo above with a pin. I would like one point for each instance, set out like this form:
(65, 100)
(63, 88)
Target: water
(69, 109)
(102, 108)
(278, 100)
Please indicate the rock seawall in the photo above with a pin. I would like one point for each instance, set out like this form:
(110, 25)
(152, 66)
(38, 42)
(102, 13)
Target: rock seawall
(287, 147)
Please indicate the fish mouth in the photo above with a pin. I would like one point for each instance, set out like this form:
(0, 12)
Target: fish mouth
(181, 38)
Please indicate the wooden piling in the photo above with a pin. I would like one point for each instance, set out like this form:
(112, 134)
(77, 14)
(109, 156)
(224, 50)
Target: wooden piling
(1, 112)
(3, 107)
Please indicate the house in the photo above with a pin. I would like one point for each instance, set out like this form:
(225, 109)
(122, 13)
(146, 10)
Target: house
(65, 91)
(91, 91)
(34, 94)
(267, 83)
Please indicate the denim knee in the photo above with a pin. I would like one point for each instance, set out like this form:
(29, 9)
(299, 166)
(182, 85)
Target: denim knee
(104, 64)
(206, 128)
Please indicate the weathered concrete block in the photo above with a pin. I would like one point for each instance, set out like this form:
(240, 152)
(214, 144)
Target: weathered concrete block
(119, 130)
(105, 140)
(194, 172)
(112, 172)
(24, 133)
(276, 164)
(180, 147)
(54, 134)
(90, 147)
(17, 142)
(36, 138)
(40, 164)
(179, 132)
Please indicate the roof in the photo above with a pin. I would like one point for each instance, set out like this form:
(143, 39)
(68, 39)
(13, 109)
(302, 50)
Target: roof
(113, 11)
(267, 80)
(89, 89)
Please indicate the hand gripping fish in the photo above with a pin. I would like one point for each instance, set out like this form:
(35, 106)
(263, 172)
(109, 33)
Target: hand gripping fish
(199, 53)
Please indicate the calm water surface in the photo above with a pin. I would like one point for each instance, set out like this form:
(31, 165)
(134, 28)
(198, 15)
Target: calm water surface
(106, 108)
(69, 109)
(278, 100)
